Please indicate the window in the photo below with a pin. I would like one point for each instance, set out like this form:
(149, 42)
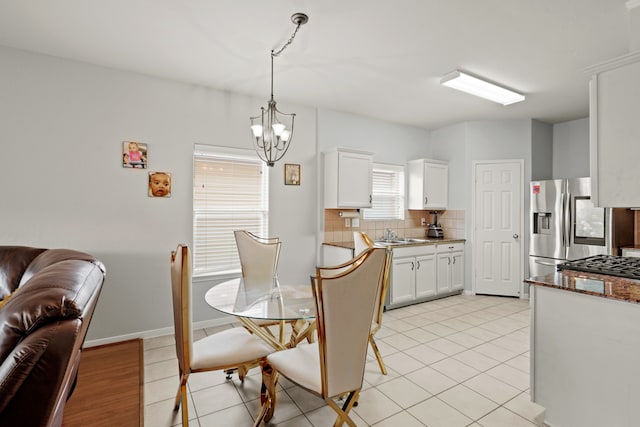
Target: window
(230, 192)
(388, 193)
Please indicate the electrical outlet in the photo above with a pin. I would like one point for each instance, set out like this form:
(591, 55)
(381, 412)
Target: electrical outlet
(347, 222)
(355, 223)
(423, 221)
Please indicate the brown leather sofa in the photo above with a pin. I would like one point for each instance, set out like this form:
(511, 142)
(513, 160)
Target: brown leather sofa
(43, 325)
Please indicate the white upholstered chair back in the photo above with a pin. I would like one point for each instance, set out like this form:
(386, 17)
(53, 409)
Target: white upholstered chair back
(182, 316)
(361, 242)
(345, 306)
(258, 256)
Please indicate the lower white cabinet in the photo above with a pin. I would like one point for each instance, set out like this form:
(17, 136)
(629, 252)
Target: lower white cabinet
(413, 274)
(423, 272)
(450, 269)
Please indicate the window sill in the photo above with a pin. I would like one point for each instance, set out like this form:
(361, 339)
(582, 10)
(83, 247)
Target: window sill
(224, 275)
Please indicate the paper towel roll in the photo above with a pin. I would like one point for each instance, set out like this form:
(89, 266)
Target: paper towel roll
(349, 214)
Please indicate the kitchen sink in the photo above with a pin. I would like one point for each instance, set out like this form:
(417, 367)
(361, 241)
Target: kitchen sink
(404, 241)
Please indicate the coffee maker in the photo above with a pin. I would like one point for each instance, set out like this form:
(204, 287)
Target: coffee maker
(434, 230)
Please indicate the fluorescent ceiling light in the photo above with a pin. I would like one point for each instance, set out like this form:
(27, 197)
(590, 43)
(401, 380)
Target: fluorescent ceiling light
(478, 87)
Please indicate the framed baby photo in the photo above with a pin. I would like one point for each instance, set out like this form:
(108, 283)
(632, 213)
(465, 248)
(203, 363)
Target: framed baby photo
(134, 155)
(159, 184)
(291, 174)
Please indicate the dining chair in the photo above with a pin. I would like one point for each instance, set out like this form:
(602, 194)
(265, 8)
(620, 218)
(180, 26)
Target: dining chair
(361, 242)
(334, 365)
(259, 260)
(258, 255)
(233, 348)
(361, 239)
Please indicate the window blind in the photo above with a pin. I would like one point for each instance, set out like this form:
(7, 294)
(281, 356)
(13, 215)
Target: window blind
(388, 193)
(230, 192)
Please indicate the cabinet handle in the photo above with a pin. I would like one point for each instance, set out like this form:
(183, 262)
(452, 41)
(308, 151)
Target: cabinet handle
(370, 199)
(412, 265)
(426, 200)
(454, 260)
(448, 260)
(418, 265)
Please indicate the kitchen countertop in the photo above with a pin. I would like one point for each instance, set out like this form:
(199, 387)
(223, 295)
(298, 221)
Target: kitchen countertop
(600, 285)
(351, 245)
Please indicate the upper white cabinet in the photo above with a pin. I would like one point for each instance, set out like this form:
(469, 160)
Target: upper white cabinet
(428, 184)
(347, 179)
(614, 131)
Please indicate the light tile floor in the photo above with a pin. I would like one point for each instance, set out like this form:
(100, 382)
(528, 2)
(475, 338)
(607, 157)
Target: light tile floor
(456, 361)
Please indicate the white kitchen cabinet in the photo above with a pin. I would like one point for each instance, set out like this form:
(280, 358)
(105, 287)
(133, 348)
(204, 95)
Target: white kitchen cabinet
(347, 179)
(614, 132)
(402, 282)
(428, 184)
(425, 276)
(413, 274)
(450, 267)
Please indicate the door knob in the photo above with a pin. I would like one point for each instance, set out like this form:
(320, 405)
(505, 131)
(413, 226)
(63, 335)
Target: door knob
(515, 236)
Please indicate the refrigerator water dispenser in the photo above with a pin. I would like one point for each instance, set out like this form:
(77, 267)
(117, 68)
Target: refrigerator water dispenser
(542, 223)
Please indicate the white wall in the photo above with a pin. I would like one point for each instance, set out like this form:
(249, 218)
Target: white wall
(62, 124)
(449, 144)
(571, 149)
(391, 143)
(541, 151)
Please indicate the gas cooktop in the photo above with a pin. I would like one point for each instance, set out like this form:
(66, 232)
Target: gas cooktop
(628, 267)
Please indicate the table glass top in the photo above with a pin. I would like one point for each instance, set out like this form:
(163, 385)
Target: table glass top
(259, 299)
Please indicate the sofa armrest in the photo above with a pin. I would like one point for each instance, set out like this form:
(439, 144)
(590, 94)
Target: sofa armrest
(38, 369)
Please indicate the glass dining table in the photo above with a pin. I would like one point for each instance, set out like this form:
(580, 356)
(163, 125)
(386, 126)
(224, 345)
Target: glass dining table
(258, 302)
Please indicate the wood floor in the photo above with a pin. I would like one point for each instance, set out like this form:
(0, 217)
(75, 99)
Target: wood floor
(109, 389)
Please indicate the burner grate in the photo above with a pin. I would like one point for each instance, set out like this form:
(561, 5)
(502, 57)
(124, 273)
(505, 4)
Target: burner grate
(628, 267)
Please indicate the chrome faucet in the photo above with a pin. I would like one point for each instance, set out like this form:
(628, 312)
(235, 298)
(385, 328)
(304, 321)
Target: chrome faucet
(389, 234)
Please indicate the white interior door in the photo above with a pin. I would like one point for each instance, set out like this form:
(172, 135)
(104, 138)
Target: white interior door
(498, 225)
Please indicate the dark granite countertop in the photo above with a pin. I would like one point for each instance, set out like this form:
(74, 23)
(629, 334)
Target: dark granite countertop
(599, 285)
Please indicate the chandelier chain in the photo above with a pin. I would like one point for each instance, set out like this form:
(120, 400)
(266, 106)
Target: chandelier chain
(293, 36)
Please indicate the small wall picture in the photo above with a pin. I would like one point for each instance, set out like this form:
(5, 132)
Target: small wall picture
(159, 184)
(291, 174)
(134, 155)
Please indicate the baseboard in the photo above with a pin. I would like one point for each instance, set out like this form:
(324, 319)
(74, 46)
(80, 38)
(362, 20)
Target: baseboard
(157, 332)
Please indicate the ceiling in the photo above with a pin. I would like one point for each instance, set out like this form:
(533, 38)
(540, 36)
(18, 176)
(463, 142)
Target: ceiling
(382, 59)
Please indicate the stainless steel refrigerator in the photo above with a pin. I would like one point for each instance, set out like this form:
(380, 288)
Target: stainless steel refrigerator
(565, 225)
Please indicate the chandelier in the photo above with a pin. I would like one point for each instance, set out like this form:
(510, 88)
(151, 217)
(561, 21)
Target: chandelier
(272, 129)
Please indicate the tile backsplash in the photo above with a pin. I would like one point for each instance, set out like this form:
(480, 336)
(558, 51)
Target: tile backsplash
(335, 230)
